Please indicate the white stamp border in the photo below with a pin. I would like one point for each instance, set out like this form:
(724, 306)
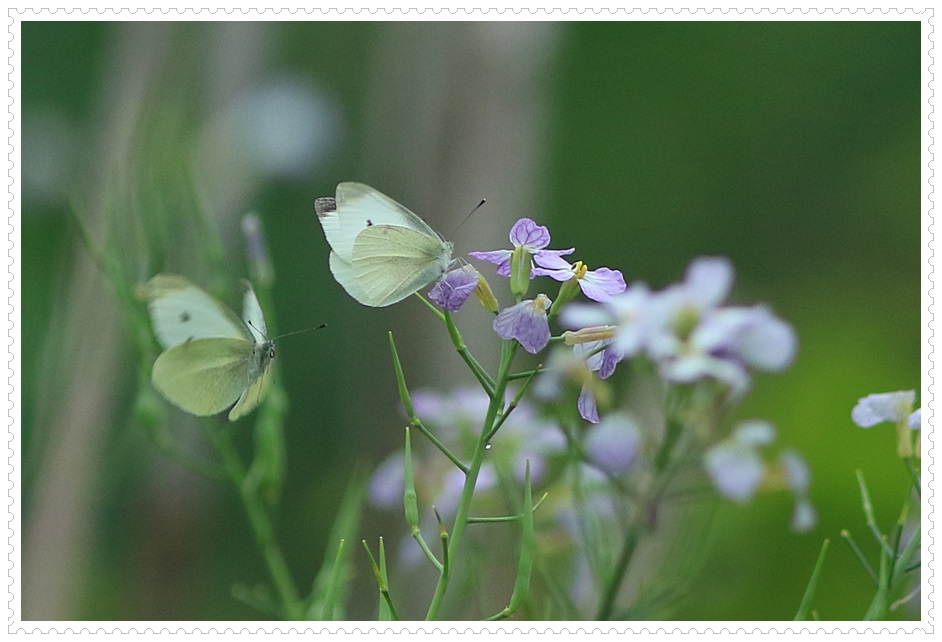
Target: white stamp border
(90, 11)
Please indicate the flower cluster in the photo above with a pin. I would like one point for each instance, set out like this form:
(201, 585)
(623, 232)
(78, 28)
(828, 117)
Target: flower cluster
(527, 320)
(684, 330)
(455, 419)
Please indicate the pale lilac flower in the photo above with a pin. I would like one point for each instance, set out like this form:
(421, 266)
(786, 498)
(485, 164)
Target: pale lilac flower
(524, 234)
(626, 312)
(735, 465)
(526, 322)
(894, 407)
(884, 406)
(599, 285)
(604, 363)
(454, 289)
(613, 445)
(724, 344)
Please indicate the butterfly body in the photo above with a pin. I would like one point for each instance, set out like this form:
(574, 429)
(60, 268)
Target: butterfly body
(212, 358)
(381, 251)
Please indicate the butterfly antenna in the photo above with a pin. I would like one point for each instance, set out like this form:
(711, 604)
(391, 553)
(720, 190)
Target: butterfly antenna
(288, 334)
(465, 219)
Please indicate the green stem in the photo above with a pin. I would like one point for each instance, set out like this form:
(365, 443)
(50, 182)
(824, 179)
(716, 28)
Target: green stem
(629, 546)
(261, 526)
(805, 607)
(505, 518)
(508, 349)
(480, 374)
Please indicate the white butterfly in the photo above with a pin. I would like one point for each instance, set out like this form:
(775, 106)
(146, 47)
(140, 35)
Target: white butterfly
(212, 359)
(382, 252)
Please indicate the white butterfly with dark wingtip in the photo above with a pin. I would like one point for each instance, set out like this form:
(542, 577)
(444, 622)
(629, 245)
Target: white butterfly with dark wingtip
(212, 359)
(381, 251)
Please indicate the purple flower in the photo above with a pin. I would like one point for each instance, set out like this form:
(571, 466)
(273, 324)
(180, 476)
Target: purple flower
(524, 234)
(599, 285)
(454, 289)
(604, 363)
(526, 322)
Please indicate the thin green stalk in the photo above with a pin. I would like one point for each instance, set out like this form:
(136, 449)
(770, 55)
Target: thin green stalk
(868, 511)
(333, 589)
(878, 607)
(387, 610)
(513, 404)
(612, 586)
(508, 349)
(805, 607)
(527, 549)
(849, 540)
(261, 526)
(411, 504)
(505, 518)
(480, 374)
(410, 410)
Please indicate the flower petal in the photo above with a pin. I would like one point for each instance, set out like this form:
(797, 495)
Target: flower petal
(454, 289)
(526, 232)
(883, 406)
(602, 284)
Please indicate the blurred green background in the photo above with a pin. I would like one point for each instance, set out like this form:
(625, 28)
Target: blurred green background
(792, 148)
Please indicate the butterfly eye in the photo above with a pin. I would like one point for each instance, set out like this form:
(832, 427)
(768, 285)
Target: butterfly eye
(271, 353)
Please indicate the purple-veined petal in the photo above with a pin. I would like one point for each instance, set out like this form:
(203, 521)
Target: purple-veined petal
(552, 260)
(602, 284)
(527, 233)
(500, 257)
(454, 289)
(526, 322)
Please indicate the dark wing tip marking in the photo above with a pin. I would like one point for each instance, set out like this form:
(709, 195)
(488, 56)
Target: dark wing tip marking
(325, 205)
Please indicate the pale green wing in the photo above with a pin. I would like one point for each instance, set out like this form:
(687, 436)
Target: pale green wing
(390, 263)
(357, 207)
(206, 376)
(253, 395)
(343, 274)
(252, 314)
(183, 312)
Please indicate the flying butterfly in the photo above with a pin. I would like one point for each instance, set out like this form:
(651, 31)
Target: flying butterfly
(211, 359)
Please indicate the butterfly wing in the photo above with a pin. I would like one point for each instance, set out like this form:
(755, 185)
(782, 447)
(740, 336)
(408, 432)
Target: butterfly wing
(343, 274)
(357, 207)
(252, 314)
(182, 312)
(389, 263)
(205, 376)
(253, 395)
